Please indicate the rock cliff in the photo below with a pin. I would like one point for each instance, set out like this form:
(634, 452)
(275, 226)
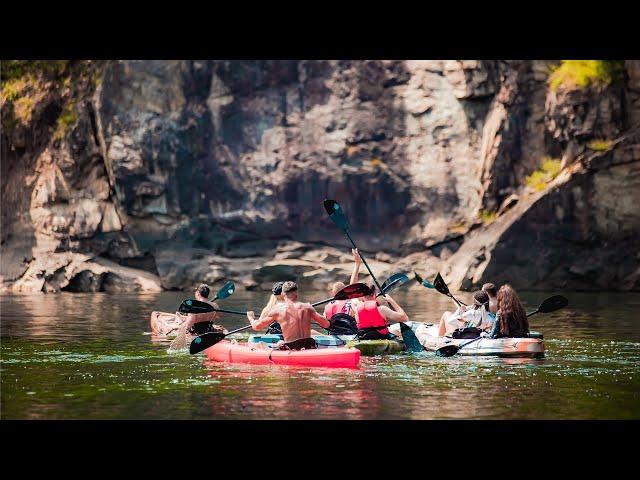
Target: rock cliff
(150, 175)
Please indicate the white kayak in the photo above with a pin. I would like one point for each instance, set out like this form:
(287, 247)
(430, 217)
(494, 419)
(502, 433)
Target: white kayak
(427, 334)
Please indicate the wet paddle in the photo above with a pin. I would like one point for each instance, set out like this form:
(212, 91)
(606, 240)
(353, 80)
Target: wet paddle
(551, 304)
(206, 340)
(441, 287)
(226, 291)
(335, 213)
(191, 305)
(338, 217)
(422, 282)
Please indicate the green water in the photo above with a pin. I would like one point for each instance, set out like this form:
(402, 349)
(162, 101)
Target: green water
(90, 356)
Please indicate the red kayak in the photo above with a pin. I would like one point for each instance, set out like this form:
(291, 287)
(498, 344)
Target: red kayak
(260, 354)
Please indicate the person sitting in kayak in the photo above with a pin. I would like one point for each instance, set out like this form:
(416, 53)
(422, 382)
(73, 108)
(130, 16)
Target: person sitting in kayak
(199, 323)
(276, 297)
(294, 318)
(477, 316)
(372, 318)
(342, 310)
(511, 319)
(492, 291)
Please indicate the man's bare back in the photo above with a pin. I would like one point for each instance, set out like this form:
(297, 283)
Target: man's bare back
(294, 318)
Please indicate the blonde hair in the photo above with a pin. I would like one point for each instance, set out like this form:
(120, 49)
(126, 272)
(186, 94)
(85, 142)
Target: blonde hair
(336, 287)
(272, 301)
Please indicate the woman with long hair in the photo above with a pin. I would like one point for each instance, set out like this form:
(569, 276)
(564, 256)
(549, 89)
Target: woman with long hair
(511, 320)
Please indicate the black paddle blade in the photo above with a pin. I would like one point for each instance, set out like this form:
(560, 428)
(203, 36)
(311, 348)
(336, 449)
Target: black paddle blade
(191, 305)
(336, 214)
(394, 281)
(354, 290)
(226, 291)
(447, 351)
(205, 341)
(439, 285)
(552, 304)
(409, 338)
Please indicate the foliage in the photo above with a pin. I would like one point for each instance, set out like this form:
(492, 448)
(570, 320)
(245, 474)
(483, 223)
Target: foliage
(574, 74)
(600, 145)
(488, 216)
(67, 118)
(549, 170)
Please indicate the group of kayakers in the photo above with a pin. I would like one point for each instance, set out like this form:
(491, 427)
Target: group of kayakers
(494, 313)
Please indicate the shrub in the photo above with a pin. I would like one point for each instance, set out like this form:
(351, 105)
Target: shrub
(488, 216)
(582, 73)
(67, 119)
(600, 145)
(549, 170)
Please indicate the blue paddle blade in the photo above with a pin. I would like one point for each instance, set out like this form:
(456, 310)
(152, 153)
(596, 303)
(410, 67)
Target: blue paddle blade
(409, 338)
(226, 290)
(422, 281)
(394, 281)
(336, 214)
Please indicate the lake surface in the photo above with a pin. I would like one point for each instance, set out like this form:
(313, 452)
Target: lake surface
(91, 356)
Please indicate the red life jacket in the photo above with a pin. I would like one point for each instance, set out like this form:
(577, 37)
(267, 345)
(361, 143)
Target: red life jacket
(369, 316)
(338, 306)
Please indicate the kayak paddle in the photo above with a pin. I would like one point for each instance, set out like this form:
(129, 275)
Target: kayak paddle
(206, 340)
(422, 282)
(226, 291)
(191, 305)
(441, 287)
(551, 304)
(394, 281)
(338, 217)
(335, 213)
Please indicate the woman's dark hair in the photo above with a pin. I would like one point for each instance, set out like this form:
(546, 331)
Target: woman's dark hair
(481, 298)
(490, 288)
(277, 288)
(511, 311)
(204, 290)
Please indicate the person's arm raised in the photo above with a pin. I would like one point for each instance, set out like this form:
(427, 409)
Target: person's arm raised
(357, 261)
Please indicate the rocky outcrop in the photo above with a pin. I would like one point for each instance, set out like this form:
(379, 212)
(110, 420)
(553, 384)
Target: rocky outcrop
(190, 171)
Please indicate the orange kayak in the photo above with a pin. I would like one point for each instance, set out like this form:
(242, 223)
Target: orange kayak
(260, 354)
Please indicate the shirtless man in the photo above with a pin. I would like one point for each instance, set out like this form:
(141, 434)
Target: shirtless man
(294, 317)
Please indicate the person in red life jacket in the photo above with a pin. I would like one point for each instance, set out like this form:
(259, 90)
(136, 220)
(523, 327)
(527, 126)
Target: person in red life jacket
(343, 306)
(372, 318)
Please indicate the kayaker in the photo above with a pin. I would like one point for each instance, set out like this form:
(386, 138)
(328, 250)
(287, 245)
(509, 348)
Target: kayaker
(511, 319)
(199, 323)
(477, 316)
(492, 291)
(343, 308)
(372, 318)
(276, 297)
(294, 318)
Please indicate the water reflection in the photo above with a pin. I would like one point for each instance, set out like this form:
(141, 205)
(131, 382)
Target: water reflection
(87, 356)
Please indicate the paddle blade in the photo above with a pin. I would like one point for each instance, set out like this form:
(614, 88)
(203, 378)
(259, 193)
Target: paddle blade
(394, 281)
(447, 351)
(354, 290)
(336, 214)
(439, 285)
(409, 338)
(552, 304)
(226, 291)
(202, 342)
(191, 305)
(422, 281)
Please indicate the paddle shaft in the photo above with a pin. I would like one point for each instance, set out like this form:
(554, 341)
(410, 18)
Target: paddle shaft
(476, 339)
(364, 261)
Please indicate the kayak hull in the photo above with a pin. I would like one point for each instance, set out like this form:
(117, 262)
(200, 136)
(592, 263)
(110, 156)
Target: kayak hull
(532, 347)
(377, 347)
(260, 354)
(366, 347)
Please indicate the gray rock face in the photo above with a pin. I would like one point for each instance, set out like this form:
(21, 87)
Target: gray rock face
(191, 171)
